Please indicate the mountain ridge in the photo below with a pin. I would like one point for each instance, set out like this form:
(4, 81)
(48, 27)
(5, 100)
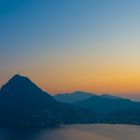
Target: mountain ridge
(81, 95)
(72, 97)
(24, 103)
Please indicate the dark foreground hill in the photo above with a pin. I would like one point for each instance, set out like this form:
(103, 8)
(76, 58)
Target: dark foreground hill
(23, 103)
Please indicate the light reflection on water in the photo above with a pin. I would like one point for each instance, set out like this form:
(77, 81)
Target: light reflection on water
(74, 132)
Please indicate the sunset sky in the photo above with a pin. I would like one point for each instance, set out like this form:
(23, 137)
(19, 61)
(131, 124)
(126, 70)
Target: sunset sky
(68, 45)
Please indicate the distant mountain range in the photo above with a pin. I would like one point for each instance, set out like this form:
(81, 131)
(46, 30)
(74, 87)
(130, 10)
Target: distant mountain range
(79, 96)
(99, 104)
(72, 97)
(110, 96)
(22, 103)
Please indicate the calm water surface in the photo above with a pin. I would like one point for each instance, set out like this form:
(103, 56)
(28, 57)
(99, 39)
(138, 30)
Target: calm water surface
(74, 132)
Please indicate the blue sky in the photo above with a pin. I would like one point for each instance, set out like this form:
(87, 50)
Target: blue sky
(52, 40)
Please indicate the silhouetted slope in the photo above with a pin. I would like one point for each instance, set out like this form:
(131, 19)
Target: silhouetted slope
(23, 103)
(20, 89)
(72, 97)
(110, 96)
(100, 104)
(124, 116)
(109, 110)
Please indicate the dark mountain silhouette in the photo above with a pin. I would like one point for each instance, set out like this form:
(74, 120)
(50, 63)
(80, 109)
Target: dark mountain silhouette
(110, 96)
(123, 116)
(99, 104)
(112, 110)
(23, 103)
(72, 97)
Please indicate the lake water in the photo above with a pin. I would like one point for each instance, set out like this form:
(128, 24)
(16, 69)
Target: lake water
(74, 132)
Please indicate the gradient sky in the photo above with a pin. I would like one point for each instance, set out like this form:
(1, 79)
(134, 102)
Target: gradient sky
(68, 45)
